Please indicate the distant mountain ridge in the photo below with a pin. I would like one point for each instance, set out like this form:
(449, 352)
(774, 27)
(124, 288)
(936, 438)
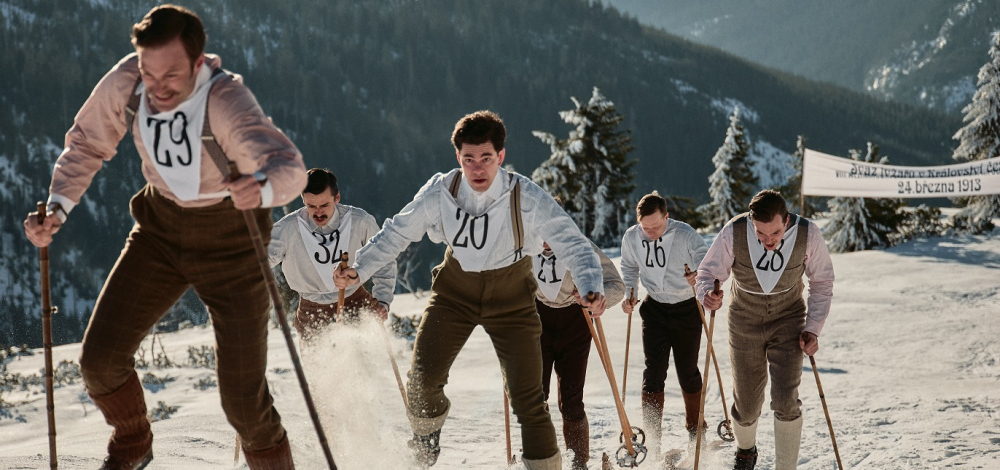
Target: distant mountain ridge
(922, 52)
(372, 88)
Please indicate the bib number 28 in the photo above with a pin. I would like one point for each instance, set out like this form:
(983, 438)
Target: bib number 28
(775, 263)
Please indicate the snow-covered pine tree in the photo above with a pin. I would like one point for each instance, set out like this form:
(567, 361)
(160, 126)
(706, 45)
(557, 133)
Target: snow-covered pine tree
(590, 170)
(792, 189)
(732, 184)
(858, 223)
(980, 140)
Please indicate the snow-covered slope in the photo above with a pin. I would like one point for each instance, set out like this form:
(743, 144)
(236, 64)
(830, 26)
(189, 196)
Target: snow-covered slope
(908, 360)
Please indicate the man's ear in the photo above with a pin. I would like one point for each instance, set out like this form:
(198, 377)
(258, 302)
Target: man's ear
(500, 156)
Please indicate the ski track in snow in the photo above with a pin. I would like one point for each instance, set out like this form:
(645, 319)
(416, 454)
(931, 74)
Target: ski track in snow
(908, 362)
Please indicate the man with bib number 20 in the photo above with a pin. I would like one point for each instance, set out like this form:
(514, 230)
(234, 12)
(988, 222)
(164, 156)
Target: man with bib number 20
(770, 326)
(493, 222)
(308, 244)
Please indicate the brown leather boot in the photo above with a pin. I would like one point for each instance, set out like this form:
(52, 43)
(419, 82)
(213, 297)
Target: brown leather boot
(652, 421)
(577, 436)
(131, 443)
(278, 457)
(692, 406)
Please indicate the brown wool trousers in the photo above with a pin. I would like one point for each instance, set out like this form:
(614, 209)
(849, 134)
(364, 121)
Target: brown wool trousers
(169, 250)
(502, 301)
(312, 317)
(765, 343)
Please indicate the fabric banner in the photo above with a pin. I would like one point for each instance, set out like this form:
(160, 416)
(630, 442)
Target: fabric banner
(827, 175)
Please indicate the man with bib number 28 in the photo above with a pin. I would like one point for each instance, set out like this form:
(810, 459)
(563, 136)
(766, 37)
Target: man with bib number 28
(493, 222)
(308, 244)
(191, 122)
(654, 252)
(770, 326)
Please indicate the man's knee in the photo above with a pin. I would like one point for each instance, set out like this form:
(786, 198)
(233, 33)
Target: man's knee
(786, 409)
(101, 373)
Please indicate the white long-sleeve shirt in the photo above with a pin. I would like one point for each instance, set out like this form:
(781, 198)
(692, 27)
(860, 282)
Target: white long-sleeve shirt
(718, 264)
(687, 247)
(288, 248)
(541, 216)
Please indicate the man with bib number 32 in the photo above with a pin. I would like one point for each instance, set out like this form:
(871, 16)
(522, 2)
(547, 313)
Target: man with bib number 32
(493, 222)
(308, 244)
(770, 326)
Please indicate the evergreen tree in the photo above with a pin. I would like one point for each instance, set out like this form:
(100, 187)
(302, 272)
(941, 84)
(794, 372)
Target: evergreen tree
(792, 189)
(731, 185)
(858, 223)
(589, 171)
(980, 140)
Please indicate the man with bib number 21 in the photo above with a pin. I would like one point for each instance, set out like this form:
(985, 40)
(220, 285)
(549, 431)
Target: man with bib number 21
(493, 222)
(770, 326)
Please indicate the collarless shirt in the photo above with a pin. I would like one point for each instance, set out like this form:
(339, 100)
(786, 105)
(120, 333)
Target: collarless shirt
(687, 247)
(541, 217)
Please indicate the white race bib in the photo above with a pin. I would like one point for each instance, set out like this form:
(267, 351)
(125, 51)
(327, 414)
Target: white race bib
(769, 265)
(173, 140)
(324, 249)
(550, 273)
(652, 256)
(472, 238)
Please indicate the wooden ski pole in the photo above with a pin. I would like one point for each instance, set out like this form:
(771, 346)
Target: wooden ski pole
(826, 411)
(279, 310)
(597, 333)
(47, 311)
(628, 341)
(701, 410)
(729, 437)
(506, 425)
(340, 297)
(395, 368)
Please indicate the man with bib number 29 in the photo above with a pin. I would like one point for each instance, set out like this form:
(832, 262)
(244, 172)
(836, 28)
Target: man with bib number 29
(770, 326)
(654, 252)
(493, 222)
(308, 244)
(191, 122)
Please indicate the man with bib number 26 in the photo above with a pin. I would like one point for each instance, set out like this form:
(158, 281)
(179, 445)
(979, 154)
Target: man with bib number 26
(308, 244)
(493, 222)
(770, 326)
(191, 121)
(654, 252)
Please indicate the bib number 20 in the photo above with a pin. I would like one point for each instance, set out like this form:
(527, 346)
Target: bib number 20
(467, 231)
